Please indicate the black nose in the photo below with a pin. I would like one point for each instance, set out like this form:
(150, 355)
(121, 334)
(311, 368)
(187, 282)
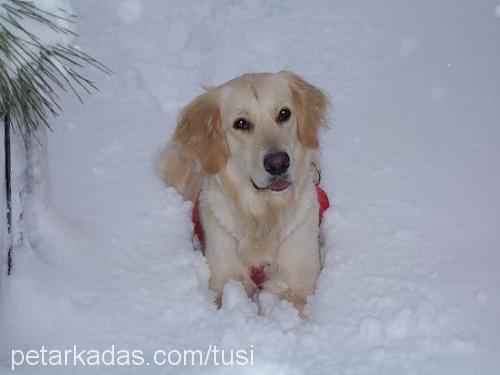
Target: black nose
(277, 163)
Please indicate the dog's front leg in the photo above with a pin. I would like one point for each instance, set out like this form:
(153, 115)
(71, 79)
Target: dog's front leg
(221, 250)
(298, 264)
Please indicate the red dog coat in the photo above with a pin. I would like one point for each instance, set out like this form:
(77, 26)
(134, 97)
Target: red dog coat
(257, 274)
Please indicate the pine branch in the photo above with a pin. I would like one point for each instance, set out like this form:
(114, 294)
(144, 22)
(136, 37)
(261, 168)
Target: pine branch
(30, 71)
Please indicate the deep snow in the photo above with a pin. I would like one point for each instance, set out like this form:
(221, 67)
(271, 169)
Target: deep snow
(410, 283)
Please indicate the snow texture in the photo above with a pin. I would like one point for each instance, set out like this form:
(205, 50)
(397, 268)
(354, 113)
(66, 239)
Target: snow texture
(410, 278)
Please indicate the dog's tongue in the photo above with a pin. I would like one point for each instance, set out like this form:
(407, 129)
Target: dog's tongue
(278, 185)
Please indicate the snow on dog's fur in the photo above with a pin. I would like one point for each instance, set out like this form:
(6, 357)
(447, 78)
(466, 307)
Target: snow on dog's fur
(248, 146)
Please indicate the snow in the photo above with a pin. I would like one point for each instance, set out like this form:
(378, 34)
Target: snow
(410, 278)
(130, 10)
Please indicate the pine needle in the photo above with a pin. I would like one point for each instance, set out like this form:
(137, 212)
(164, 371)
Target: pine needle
(30, 70)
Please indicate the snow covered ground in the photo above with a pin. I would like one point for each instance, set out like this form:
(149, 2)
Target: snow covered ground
(411, 277)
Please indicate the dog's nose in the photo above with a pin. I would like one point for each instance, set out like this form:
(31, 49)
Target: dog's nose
(277, 163)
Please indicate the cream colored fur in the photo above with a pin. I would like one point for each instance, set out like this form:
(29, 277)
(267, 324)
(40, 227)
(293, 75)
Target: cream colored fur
(246, 227)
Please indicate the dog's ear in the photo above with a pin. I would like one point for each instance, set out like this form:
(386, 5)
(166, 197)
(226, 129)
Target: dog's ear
(310, 109)
(199, 131)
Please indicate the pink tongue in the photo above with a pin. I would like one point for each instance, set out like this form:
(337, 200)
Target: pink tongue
(278, 185)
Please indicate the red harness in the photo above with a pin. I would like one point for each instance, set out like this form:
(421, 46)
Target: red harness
(257, 274)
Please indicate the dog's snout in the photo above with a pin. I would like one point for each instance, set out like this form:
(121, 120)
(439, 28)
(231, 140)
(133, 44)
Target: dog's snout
(277, 163)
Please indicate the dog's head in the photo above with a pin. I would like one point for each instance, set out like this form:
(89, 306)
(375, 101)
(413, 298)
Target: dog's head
(262, 122)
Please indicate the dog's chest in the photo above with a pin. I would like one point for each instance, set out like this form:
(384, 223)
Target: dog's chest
(259, 247)
(260, 236)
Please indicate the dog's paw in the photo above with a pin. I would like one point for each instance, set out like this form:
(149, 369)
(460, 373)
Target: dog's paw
(218, 300)
(298, 300)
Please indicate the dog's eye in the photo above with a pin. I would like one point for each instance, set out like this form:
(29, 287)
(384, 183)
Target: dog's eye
(283, 115)
(241, 124)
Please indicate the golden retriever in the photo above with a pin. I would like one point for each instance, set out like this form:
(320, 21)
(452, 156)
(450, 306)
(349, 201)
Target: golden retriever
(247, 150)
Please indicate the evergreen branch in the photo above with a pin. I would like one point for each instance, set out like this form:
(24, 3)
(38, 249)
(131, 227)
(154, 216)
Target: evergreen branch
(29, 69)
(26, 9)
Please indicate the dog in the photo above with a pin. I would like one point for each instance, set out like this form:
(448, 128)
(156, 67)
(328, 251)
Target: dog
(246, 153)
